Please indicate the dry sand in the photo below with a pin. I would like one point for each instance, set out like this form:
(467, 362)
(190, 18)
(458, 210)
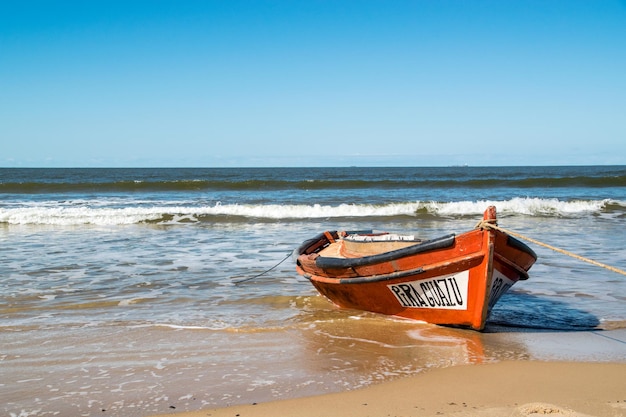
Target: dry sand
(504, 389)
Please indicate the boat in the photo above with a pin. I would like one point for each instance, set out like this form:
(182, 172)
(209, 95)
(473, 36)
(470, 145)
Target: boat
(452, 280)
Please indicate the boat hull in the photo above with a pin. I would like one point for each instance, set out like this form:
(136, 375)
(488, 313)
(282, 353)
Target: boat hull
(455, 280)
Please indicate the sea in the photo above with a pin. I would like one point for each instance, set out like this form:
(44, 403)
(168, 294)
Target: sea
(133, 292)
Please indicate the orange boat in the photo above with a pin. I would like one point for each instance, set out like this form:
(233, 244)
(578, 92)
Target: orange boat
(451, 280)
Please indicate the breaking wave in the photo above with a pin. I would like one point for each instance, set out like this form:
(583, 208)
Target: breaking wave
(93, 212)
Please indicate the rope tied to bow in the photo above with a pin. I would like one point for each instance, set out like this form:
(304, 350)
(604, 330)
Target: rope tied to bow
(492, 224)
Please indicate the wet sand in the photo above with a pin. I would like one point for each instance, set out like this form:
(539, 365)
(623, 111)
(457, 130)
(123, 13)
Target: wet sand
(512, 388)
(571, 374)
(396, 367)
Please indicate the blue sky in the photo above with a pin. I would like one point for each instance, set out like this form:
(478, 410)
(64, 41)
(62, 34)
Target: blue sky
(312, 83)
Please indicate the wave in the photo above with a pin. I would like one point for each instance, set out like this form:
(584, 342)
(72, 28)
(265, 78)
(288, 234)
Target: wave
(46, 187)
(43, 214)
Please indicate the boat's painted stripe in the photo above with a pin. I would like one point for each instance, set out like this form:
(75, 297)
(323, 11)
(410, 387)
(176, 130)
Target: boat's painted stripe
(472, 259)
(523, 275)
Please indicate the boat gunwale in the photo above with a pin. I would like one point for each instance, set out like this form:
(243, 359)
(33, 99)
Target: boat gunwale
(469, 258)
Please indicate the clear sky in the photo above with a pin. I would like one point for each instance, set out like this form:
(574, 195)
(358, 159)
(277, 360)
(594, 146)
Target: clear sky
(312, 83)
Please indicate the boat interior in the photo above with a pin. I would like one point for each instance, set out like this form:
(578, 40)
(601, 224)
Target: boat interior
(360, 245)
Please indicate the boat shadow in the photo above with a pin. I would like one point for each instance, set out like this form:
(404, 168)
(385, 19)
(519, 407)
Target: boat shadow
(525, 312)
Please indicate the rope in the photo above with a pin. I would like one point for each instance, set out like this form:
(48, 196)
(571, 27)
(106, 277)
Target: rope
(264, 272)
(489, 224)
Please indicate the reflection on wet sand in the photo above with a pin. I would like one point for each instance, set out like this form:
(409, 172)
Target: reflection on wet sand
(373, 347)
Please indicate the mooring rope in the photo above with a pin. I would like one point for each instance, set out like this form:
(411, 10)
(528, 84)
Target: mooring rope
(489, 224)
(264, 272)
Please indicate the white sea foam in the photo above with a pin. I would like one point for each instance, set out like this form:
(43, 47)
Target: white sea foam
(181, 327)
(523, 206)
(164, 213)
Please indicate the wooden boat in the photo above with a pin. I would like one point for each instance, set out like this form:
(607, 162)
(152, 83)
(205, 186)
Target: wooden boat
(453, 280)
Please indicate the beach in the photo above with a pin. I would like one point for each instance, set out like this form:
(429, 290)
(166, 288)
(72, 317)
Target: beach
(592, 382)
(139, 292)
(512, 388)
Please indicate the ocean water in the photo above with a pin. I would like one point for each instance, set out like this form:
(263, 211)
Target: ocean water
(141, 291)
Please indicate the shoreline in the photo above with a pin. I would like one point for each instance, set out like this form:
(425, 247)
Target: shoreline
(345, 362)
(509, 388)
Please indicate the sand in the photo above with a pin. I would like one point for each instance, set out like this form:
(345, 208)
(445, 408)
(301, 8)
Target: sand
(509, 389)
